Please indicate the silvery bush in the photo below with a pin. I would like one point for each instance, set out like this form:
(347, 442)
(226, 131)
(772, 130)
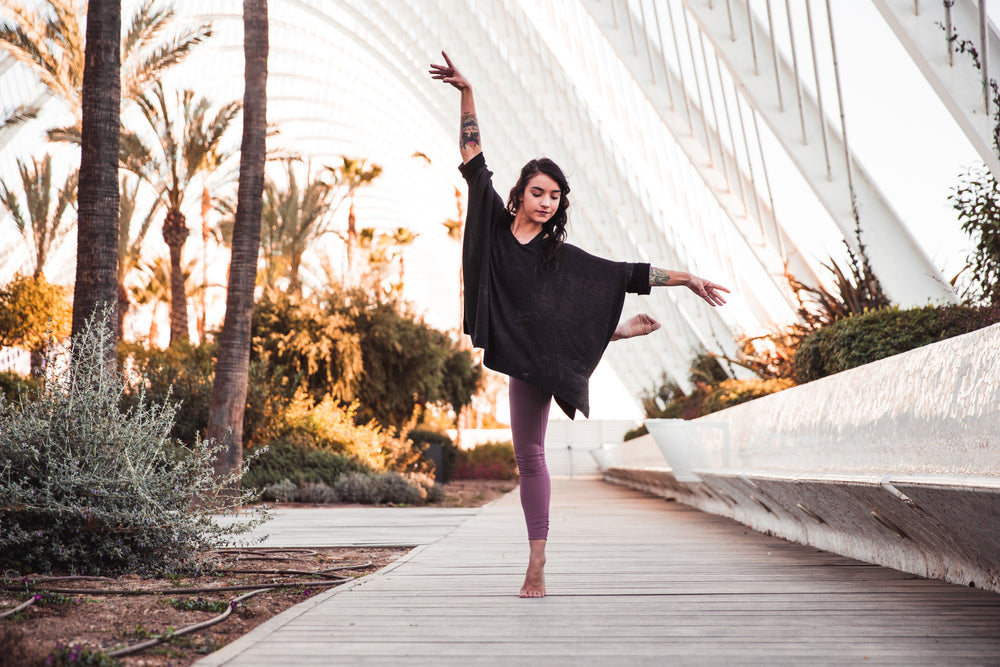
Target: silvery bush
(89, 488)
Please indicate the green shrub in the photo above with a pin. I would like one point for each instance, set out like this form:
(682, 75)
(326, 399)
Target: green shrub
(862, 339)
(87, 487)
(733, 392)
(283, 491)
(299, 462)
(434, 491)
(389, 487)
(181, 374)
(490, 460)
(318, 494)
(637, 432)
(359, 487)
(13, 386)
(398, 490)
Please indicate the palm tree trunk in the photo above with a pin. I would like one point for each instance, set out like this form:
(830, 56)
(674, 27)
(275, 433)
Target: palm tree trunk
(175, 233)
(97, 246)
(232, 367)
(206, 206)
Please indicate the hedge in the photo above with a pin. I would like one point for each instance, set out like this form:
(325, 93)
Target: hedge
(861, 339)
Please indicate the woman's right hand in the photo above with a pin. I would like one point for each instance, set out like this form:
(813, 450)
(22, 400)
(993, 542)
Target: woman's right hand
(449, 74)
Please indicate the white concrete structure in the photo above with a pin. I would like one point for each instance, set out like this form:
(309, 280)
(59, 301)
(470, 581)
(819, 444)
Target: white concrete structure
(896, 462)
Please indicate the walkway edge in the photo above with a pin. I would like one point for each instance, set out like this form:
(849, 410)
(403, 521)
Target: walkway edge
(233, 649)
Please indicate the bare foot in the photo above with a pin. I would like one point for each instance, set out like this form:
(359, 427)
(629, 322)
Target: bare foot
(640, 325)
(534, 578)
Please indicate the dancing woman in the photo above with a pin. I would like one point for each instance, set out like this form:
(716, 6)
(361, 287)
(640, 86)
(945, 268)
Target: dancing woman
(542, 310)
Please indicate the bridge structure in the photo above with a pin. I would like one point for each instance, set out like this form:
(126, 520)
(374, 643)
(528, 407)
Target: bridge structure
(738, 139)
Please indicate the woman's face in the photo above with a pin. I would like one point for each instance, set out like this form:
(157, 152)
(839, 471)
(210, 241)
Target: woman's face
(541, 198)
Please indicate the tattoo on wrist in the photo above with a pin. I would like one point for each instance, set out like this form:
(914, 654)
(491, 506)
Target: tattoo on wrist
(658, 277)
(470, 132)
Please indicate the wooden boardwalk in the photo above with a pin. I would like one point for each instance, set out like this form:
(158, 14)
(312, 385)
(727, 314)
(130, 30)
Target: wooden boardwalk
(632, 580)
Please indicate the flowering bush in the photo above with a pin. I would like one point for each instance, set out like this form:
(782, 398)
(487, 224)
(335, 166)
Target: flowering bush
(87, 487)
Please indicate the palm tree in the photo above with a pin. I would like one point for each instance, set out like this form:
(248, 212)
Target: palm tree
(225, 422)
(188, 147)
(48, 39)
(353, 174)
(129, 244)
(383, 250)
(97, 234)
(293, 220)
(42, 225)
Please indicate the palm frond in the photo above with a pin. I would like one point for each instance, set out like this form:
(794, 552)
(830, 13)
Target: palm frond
(69, 134)
(143, 68)
(19, 116)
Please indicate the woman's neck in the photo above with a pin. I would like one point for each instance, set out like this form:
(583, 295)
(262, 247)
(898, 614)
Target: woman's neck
(523, 228)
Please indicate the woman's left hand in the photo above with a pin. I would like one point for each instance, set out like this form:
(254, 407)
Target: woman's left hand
(707, 290)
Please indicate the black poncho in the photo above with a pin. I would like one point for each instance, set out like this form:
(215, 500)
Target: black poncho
(546, 327)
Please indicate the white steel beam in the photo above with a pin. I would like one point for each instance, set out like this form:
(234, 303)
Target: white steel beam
(953, 76)
(694, 136)
(904, 269)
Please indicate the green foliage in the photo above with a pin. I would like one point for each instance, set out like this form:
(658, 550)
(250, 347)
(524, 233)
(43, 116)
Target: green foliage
(713, 391)
(14, 386)
(490, 460)
(182, 373)
(359, 487)
(352, 345)
(976, 198)
(733, 392)
(634, 433)
(707, 369)
(185, 373)
(34, 313)
(284, 491)
(299, 462)
(862, 339)
(87, 487)
(315, 343)
(319, 494)
(406, 363)
(78, 654)
(198, 604)
(392, 487)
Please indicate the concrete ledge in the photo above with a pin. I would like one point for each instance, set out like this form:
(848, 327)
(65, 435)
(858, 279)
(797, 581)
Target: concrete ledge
(895, 463)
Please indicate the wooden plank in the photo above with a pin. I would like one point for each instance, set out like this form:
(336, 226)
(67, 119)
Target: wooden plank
(632, 580)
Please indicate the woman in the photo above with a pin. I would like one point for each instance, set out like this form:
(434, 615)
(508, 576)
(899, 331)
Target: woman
(542, 310)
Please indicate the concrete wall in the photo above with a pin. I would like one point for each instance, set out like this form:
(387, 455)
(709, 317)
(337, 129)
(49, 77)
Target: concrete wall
(896, 462)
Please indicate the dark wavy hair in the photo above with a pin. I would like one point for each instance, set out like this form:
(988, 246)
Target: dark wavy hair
(553, 230)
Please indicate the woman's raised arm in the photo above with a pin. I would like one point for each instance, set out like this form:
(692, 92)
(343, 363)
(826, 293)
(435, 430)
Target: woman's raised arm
(469, 142)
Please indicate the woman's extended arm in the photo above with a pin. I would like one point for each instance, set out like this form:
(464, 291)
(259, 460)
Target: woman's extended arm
(468, 141)
(706, 289)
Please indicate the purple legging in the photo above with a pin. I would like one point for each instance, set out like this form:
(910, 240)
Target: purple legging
(529, 415)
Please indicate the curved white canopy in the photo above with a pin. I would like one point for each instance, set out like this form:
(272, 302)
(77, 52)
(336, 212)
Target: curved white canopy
(704, 136)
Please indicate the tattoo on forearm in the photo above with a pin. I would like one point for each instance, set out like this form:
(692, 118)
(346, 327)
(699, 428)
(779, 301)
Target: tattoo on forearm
(470, 132)
(658, 277)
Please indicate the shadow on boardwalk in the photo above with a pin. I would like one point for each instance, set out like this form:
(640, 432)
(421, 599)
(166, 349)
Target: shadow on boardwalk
(632, 579)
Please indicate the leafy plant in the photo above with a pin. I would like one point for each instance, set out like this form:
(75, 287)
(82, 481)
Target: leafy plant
(976, 198)
(198, 604)
(13, 386)
(490, 460)
(733, 392)
(78, 654)
(34, 314)
(299, 462)
(865, 338)
(87, 487)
